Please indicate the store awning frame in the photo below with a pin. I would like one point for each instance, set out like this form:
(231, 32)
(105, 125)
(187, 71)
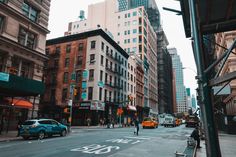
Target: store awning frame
(19, 103)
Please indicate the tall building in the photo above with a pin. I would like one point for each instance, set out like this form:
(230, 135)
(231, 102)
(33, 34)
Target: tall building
(132, 30)
(23, 29)
(165, 75)
(188, 98)
(194, 105)
(100, 82)
(149, 5)
(180, 88)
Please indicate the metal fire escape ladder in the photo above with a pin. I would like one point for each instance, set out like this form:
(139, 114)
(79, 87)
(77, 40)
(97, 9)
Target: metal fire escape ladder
(227, 77)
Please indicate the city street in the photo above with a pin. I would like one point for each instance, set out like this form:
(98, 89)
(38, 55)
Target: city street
(117, 142)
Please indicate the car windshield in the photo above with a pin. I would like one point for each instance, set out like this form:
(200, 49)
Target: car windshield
(28, 122)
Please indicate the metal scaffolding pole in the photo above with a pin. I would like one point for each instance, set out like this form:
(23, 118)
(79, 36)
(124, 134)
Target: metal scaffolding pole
(212, 141)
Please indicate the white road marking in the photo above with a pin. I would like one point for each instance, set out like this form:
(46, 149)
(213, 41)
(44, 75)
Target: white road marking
(140, 138)
(95, 149)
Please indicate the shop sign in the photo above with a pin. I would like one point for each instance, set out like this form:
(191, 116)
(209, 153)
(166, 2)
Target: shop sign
(4, 77)
(85, 74)
(84, 84)
(84, 95)
(100, 84)
(84, 106)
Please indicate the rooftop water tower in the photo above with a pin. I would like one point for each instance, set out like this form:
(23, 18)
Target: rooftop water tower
(81, 15)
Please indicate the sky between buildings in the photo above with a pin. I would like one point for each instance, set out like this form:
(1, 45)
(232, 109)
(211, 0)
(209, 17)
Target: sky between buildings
(62, 12)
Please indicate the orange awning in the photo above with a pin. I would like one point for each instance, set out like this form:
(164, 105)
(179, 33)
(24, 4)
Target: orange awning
(20, 103)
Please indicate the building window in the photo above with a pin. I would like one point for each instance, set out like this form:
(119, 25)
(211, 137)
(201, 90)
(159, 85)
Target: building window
(134, 22)
(93, 44)
(102, 58)
(64, 94)
(135, 13)
(65, 77)
(81, 47)
(26, 38)
(100, 93)
(90, 93)
(78, 75)
(92, 58)
(67, 62)
(128, 31)
(134, 31)
(102, 46)
(58, 49)
(79, 61)
(128, 14)
(134, 40)
(91, 74)
(101, 75)
(30, 12)
(118, 33)
(1, 23)
(68, 48)
(118, 17)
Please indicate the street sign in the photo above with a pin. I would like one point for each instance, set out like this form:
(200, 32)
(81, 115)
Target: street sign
(84, 95)
(84, 84)
(100, 84)
(4, 77)
(70, 102)
(85, 74)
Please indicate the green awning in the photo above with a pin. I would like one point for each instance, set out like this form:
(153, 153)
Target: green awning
(19, 86)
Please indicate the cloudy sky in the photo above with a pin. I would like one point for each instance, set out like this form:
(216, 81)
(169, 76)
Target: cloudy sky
(62, 12)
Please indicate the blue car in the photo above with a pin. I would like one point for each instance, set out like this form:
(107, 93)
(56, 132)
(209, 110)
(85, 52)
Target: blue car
(41, 128)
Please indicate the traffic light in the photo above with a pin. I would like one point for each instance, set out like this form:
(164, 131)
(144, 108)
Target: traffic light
(130, 98)
(75, 91)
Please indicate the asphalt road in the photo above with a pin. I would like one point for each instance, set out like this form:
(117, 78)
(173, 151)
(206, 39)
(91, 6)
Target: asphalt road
(118, 142)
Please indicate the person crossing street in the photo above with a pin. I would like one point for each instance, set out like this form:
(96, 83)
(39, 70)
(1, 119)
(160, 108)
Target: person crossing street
(136, 124)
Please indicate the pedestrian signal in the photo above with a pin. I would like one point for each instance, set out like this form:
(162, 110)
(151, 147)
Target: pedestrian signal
(67, 110)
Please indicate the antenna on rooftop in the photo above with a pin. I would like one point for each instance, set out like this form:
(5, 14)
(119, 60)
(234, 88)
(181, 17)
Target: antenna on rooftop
(81, 15)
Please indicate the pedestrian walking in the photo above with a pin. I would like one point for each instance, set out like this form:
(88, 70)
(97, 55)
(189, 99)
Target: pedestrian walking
(136, 124)
(88, 121)
(196, 136)
(18, 127)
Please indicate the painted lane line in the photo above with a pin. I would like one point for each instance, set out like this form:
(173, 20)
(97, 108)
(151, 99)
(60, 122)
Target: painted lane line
(139, 138)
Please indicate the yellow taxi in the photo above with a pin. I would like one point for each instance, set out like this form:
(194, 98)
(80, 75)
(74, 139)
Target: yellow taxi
(149, 122)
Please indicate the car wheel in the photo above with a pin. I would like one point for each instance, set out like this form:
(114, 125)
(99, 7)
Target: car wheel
(143, 127)
(63, 133)
(41, 135)
(25, 137)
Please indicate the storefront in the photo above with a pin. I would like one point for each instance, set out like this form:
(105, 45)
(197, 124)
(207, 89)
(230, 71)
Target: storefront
(15, 93)
(83, 111)
(12, 111)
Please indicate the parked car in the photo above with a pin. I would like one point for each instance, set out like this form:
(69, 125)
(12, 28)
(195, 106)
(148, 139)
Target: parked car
(41, 128)
(149, 122)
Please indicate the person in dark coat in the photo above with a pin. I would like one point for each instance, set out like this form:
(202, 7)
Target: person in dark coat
(196, 136)
(136, 124)
(18, 127)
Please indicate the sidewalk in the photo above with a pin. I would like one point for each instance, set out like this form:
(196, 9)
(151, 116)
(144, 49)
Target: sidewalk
(11, 135)
(227, 146)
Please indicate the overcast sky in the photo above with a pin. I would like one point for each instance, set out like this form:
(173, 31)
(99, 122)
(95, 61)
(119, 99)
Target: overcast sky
(62, 12)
